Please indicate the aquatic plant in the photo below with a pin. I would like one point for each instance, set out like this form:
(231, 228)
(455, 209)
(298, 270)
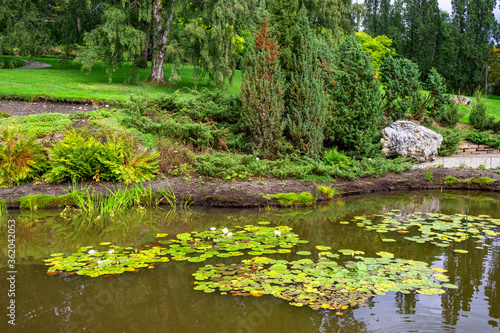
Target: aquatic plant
(327, 191)
(289, 199)
(438, 229)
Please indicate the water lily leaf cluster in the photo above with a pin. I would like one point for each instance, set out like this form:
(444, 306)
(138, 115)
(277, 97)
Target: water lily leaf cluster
(438, 229)
(193, 247)
(323, 284)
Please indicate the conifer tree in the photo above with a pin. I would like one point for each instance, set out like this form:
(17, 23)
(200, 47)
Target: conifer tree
(306, 103)
(262, 93)
(356, 109)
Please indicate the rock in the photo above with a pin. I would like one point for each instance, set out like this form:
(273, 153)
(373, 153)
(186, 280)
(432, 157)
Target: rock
(407, 139)
(462, 100)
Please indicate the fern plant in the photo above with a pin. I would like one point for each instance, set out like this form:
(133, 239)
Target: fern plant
(123, 161)
(21, 158)
(74, 158)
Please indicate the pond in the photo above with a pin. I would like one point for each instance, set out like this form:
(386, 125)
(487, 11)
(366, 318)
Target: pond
(162, 297)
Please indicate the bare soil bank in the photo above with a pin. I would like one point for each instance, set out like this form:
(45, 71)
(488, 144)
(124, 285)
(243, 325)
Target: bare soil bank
(244, 193)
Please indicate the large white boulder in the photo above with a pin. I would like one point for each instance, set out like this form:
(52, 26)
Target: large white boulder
(407, 139)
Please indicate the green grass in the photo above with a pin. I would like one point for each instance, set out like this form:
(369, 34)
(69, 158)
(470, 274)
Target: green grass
(492, 103)
(66, 82)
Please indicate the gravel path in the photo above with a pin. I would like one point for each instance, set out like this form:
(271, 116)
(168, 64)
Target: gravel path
(490, 161)
(34, 64)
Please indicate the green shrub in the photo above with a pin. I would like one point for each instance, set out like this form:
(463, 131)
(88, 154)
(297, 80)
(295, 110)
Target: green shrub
(79, 157)
(356, 102)
(335, 157)
(479, 117)
(4, 115)
(21, 158)
(451, 140)
(38, 125)
(123, 162)
(451, 114)
(483, 138)
(74, 158)
(400, 77)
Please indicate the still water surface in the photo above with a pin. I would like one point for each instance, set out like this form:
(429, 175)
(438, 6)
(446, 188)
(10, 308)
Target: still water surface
(163, 300)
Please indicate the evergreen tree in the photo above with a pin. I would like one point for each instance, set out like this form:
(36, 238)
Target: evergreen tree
(400, 77)
(306, 99)
(356, 100)
(262, 93)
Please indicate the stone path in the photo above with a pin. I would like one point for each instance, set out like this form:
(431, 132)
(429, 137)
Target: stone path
(490, 161)
(34, 65)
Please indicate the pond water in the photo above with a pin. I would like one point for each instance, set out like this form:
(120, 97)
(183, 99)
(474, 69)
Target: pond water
(162, 299)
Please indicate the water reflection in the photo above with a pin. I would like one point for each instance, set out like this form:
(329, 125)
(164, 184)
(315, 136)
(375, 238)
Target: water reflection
(163, 300)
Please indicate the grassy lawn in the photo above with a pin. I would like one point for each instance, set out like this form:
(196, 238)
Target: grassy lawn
(65, 81)
(492, 103)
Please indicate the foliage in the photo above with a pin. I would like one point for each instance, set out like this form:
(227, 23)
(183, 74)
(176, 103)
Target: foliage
(37, 125)
(400, 77)
(378, 47)
(41, 201)
(123, 161)
(306, 102)
(327, 191)
(451, 140)
(111, 42)
(437, 97)
(210, 120)
(483, 181)
(356, 110)
(451, 114)
(450, 180)
(74, 158)
(334, 157)
(262, 95)
(289, 199)
(483, 138)
(83, 157)
(21, 158)
(479, 117)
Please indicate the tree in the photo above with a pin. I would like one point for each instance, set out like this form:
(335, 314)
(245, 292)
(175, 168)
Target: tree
(356, 110)
(113, 42)
(306, 104)
(475, 23)
(378, 47)
(162, 18)
(400, 77)
(262, 93)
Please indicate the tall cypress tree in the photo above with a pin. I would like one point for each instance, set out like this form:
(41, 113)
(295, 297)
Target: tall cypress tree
(306, 100)
(262, 94)
(356, 110)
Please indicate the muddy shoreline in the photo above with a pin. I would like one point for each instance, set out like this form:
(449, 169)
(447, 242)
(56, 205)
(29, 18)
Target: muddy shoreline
(253, 193)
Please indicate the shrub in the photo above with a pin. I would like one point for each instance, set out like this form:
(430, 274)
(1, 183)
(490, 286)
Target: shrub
(483, 138)
(262, 93)
(437, 98)
(306, 102)
(122, 161)
(483, 181)
(21, 158)
(79, 157)
(478, 117)
(400, 77)
(451, 140)
(450, 180)
(327, 191)
(74, 158)
(356, 102)
(451, 114)
(335, 157)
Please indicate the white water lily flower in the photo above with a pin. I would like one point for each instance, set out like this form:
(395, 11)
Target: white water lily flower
(230, 234)
(277, 233)
(111, 251)
(91, 252)
(99, 262)
(213, 229)
(225, 230)
(256, 158)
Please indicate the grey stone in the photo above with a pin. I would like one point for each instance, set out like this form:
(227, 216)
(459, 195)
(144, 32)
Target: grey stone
(406, 139)
(462, 100)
